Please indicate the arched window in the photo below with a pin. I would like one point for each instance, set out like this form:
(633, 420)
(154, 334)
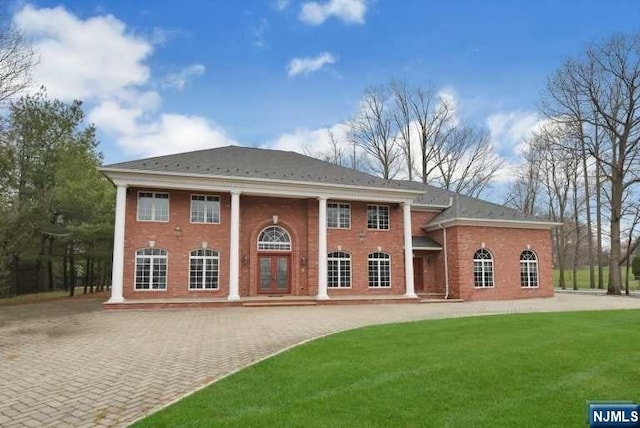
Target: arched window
(274, 238)
(379, 270)
(482, 268)
(203, 269)
(339, 270)
(151, 269)
(528, 269)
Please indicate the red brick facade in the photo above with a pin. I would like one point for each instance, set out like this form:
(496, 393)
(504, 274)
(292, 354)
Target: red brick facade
(299, 217)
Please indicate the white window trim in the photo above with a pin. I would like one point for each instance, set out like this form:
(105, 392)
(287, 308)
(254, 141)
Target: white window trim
(350, 258)
(262, 250)
(378, 219)
(153, 209)
(390, 278)
(189, 271)
(135, 271)
(537, 271)
(205, 212)
(348, 205)
(493, 271)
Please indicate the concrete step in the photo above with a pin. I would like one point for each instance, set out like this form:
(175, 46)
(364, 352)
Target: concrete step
(280, 303)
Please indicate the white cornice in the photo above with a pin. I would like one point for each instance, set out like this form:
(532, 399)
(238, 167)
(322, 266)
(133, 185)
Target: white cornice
(516, 224)
(256, 186)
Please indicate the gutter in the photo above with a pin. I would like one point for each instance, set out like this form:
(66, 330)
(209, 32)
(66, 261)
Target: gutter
(446, 263)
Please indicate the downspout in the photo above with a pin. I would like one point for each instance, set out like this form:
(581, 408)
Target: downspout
(446, 264)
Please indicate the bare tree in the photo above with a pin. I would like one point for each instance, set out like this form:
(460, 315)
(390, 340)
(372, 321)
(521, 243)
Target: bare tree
(16, 60)
(605, 83)
(556, 170)
(433, 118)
(403, 116)
(373, 131)
(523, 193)
(466, 161)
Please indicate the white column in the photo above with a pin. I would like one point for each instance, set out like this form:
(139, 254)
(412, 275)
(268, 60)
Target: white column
(234, 248)
(408, 251)
(322, 249)
(117, 266)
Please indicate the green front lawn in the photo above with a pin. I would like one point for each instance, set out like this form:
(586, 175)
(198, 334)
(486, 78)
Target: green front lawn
(583, 277)
(509, 370)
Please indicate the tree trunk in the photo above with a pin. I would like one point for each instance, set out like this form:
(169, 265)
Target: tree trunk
(72, 271)
(587, 200)
(626, 277)
(614, 286)
(16, 273)
(561, 260)
(91, 276)
(599, 226)
(50, 264)
(43, 244)
(65, 276)
(86, 276)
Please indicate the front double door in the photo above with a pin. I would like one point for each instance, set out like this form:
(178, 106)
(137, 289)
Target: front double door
(274, 275)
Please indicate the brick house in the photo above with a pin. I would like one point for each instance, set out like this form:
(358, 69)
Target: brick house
(236, 224)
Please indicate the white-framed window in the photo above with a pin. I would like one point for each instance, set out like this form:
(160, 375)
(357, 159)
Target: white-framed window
(379, 270)
(528, 269)
(151, 269)
(205, 209)
(274, 238)
(378, 217)
(339, 270)
(338, 215)
(482, 269)
(203, 269)
(153, 206)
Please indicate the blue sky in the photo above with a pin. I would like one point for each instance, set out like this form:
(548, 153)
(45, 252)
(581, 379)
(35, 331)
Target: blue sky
(166, 76)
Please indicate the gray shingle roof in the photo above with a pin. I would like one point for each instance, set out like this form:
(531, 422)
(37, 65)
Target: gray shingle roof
(249, 162)
(464, 206)
(424, 243)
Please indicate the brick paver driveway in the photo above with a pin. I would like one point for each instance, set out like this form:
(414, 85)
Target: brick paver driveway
(69, 363)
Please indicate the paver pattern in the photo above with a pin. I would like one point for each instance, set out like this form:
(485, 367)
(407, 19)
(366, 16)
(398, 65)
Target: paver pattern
(70, 363)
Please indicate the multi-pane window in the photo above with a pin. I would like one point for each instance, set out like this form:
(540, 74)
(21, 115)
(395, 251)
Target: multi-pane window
(205, 209)
(338, 215)
(151, 269)
(379, 270)
(153, 206)
(339, 270)
(274, 238)
(528, 269)
(482, 268)
(378, 217)
(203, 269)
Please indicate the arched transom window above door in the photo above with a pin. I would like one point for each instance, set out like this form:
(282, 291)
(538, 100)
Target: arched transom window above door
(274, 238)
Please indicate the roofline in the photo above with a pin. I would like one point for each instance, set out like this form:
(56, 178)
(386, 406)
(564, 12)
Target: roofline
(438, 207)
(133, 177)
(466, 221)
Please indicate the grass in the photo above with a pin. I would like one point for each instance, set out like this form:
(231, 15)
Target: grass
(495, 371)
(583, 277)
(41, 297)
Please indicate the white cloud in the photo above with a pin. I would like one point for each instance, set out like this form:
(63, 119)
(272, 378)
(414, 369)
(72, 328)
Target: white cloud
(281, 4)
(173, 133)
(103, 63)
(349, 11)
(309, 141)
(309, 64)
(83, 59)
(180, 79)
(260, 33)
(509, 131)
